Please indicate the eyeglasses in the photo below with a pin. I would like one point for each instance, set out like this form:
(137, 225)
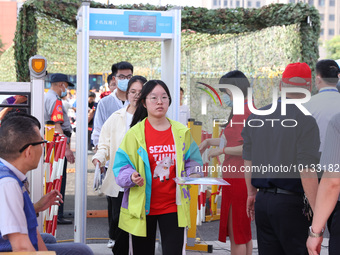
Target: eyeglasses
(134, 93)
(155, 99)
(33, 144)
(124, 77)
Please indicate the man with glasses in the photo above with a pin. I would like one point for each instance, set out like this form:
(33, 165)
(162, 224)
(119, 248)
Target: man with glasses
(20, 152)
(54, 110)
(121, 74)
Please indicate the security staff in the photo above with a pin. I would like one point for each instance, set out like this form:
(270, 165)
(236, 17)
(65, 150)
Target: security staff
(282, 227)
(54, 110)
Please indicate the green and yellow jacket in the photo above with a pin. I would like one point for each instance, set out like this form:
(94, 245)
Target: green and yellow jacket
(132, 156)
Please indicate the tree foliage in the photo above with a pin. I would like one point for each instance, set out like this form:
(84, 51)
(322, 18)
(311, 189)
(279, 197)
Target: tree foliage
(201, 20)
(333, 48)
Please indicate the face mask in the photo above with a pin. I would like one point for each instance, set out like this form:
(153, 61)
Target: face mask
(123, 84)
(63, 93)
(226, 99)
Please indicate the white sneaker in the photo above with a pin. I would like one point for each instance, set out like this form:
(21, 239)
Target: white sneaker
(111, 243)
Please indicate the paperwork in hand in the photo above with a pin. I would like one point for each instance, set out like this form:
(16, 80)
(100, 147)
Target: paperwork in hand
(97, 180)
(201, 181)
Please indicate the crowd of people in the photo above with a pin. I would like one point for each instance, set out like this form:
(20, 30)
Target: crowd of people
(141, 152)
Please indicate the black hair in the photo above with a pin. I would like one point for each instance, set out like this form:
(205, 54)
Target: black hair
(17, 130)
(92, 94)
(121, 66)
(141, 112)
(109, 78)
(329, 70)
(181, 89)
(238, 79)
(21, 114)
(133, 79)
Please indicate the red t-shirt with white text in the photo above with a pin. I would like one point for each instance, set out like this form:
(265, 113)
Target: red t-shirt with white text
(162, 157)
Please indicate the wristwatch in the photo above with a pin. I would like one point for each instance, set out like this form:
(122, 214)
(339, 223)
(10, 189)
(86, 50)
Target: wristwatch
(312, 234)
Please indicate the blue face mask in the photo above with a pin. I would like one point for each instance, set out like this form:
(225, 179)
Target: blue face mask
(226, 99)
(63, 93)
(123, 84)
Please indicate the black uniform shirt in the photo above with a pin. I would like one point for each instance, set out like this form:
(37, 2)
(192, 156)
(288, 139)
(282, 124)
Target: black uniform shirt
(279, 152)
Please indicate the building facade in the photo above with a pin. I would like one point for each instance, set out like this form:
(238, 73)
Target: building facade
(8, 20)
(329, 11)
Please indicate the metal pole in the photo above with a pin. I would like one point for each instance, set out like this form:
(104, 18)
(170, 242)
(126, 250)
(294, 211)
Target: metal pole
(37, 106)
(188, 54)
(81, 138)
(171, 63)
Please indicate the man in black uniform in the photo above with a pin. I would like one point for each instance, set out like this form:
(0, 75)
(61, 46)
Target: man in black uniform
(281, 155)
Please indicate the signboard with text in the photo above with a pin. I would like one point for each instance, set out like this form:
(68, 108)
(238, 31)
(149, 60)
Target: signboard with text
(132, 24)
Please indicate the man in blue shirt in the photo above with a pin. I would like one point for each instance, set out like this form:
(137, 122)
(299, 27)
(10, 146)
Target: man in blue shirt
(20, 152)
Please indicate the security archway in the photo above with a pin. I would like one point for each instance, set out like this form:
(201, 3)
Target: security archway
(114, 24)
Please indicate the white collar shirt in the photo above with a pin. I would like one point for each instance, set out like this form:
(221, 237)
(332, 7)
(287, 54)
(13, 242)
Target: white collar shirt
(12, 215)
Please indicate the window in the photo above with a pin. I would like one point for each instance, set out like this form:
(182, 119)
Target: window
(322, 17)
(331, 2)
(225, 3)
(331, 17)
(321, 31)
(237, 3)
(321, 2)
(258, 4)
(215, 2)
(331, 31)
(311, 2)
(249, 4)
(231, 3)
(292, 1)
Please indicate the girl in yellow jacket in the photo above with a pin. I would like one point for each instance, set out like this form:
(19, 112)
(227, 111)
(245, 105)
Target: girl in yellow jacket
(154, 152)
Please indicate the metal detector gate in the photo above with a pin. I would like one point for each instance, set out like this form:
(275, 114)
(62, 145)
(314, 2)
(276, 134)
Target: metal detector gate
(114, 24)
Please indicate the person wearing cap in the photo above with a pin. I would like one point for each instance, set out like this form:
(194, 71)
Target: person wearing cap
(279, 161)
(21, 151)
(324, 105)
(54, 110)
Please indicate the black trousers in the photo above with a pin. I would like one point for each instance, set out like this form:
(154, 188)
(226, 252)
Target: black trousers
(334, 239)
(172, 236)
(113, 210)
(121, 246)
(62, 190)
(282, 229)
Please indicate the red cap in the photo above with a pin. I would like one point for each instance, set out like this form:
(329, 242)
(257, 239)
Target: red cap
(300, 70)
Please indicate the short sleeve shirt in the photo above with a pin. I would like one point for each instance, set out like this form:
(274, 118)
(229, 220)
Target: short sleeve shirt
(12, 215)
(162, 158)
(330, 157)
(55, 111)
(290, 142)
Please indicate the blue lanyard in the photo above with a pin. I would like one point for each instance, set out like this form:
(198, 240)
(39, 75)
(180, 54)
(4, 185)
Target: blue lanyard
(335, 90)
